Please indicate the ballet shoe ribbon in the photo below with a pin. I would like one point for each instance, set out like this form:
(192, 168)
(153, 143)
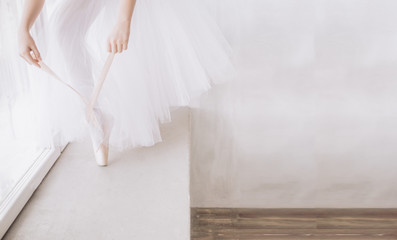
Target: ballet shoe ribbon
(90, 103)
(48, 70)
(99, 85)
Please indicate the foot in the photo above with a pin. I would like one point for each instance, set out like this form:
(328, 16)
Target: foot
(102, 155)
(99, 129)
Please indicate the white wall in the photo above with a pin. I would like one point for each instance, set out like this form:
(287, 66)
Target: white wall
(311, 119)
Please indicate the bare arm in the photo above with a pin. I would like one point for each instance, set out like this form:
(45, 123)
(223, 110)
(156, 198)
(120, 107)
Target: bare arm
(26, 43)
(31, 10)
(118, 39)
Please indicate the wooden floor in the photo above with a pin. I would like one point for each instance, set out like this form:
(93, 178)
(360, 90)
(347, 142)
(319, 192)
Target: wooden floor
(284, 224)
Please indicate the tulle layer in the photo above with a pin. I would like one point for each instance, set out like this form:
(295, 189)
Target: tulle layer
(176, 53)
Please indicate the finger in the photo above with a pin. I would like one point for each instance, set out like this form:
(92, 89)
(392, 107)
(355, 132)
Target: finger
(119, 47)
(26, 59)
(36, 52)
(31, 60)
(114, 47)
(125, 45)
(31, 53)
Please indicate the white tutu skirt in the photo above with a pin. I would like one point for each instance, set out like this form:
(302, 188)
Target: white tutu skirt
(176, 52)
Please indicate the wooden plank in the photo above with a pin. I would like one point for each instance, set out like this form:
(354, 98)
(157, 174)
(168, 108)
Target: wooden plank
(357, 218)
(278, 224)
(276, 236)
(382, 231)
(299, 236)
(355, 222)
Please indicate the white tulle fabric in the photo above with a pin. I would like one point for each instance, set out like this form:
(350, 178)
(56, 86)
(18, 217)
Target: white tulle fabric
(176, 53)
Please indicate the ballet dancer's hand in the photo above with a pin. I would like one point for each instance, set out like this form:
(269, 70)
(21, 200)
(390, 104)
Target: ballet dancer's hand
(28, 49)
(27, 46)
(118, 39)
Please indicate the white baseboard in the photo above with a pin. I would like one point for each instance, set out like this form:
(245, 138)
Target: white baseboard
(23, 190)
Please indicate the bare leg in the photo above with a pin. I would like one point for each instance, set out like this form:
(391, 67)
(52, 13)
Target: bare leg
(99, 122)
(79, 65)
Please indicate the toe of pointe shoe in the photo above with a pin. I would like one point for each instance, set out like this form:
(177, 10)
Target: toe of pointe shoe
(101, 156)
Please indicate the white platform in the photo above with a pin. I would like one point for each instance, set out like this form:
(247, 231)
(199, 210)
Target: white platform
(142, 194)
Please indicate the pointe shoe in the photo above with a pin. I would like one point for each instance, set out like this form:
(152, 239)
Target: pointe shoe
(101, 149)
(102, 155)
(100, 137)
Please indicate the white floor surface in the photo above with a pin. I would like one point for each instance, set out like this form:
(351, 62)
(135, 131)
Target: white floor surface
(142, 194)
